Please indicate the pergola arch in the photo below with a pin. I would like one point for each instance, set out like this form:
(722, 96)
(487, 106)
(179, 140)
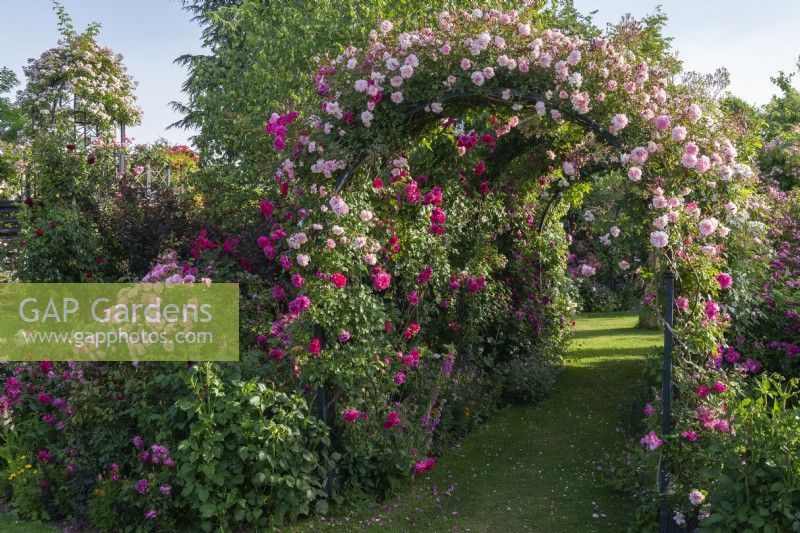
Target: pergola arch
(348, 209)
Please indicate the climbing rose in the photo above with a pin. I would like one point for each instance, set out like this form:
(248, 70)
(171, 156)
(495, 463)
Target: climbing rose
(339, 206)
(689, 435)
(413, 298)
(266, 208)
(425, 275)
(708, 226)
(299, 304)
(712, 309)
(424, 465)
(381, 279)
(44, 398)
(314, 347)
(480, 168)
(392, 420)
(141, 486)
(651, 441)
(703, 391)
(725, 280)
(696, 497)
(659, 239)
(719, 387)
(350, 415)
(693, 113)
(679, 133)
(682, 302)
(662, 122)
(339, 280)
(412, 330)
(618, 123)
(152, 514)
(635, 173)
(649, 410)
(400, 377)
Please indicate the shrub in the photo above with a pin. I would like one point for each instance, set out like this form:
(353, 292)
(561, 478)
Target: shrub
(138, 225)
(252, 455)
(58, 243)
(754, 481)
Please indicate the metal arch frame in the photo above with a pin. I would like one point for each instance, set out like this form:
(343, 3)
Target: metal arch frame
(459, 95)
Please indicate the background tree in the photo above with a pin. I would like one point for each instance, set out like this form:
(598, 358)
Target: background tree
(11, 117)
(780, 160)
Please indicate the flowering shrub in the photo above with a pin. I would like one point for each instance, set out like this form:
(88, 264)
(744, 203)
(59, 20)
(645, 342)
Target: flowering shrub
(735, 419)
(411, 264)
(57, 244)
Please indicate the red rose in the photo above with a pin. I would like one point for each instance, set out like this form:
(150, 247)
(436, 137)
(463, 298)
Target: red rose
(339, 280)
(314, 347)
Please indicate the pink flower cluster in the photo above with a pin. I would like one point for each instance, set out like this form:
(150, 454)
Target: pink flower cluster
(276, 127)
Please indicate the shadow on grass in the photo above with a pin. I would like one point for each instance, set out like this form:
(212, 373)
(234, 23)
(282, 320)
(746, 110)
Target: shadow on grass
(599, 332)
(612, 354)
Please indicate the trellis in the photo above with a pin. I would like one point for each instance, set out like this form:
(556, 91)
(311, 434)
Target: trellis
(151, 174)
(9, 225)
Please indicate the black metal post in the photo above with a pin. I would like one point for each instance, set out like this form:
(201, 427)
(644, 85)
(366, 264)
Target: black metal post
(122, 149)
(666, 393)
(322, 406)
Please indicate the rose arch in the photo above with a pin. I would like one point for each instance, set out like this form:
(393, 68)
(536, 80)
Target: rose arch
(412, 229)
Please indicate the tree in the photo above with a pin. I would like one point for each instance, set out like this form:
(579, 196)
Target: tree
(79, 89)
(11, 117)
(780, 159)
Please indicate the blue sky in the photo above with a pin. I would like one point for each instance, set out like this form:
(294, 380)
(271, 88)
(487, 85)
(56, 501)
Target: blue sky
(753, 40)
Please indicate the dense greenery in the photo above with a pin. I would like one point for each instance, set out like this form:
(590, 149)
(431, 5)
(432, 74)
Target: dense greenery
(780, 160)
(396, 202)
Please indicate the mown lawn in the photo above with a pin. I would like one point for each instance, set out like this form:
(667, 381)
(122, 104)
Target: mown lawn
(533, 468)
(10, 525)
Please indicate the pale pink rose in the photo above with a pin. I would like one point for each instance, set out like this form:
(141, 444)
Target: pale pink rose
(662, 122)
(659, 239)
(708, 226)
(693, 113)
(635, 173)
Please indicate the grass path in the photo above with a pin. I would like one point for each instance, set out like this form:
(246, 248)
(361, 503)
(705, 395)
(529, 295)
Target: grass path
(533, 468)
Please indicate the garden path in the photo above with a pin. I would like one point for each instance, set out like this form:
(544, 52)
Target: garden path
(536, 468)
